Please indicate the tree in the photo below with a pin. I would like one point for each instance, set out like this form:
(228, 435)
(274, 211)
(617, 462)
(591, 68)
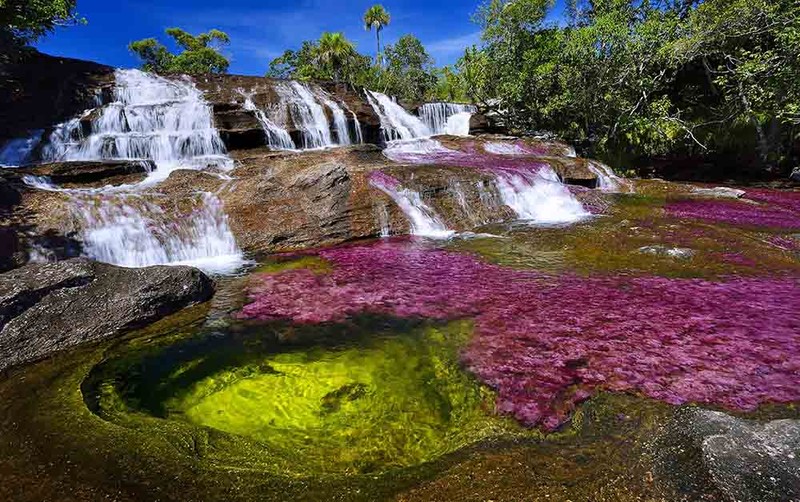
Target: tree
(377, 18)
(25, 21)
(334, 51)
(409, 72)
(201, 53)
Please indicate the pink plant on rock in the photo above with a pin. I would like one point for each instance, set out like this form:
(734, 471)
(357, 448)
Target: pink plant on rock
(546, 343)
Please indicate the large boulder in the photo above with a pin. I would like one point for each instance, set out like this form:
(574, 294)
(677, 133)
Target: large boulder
(93, 172)
(728, 458)
(46, 308)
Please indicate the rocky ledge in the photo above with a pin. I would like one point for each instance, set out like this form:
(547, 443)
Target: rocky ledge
(46, 308)
(87, 173)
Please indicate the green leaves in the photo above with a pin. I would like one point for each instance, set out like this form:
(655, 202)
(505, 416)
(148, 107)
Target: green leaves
(25, 21)
(201, 53)
(648, 78)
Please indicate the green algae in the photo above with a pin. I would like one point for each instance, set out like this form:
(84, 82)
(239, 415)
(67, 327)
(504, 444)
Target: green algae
(366, 402)
(613, 244)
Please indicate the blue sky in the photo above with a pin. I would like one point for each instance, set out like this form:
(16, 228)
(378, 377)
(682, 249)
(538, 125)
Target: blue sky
(260, 29)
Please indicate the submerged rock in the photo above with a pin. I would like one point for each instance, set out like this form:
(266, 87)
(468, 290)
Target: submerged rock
(659, 250)
(720, 192)
(45, 308)
(744, 460)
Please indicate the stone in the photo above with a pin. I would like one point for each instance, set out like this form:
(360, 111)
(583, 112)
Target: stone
(741, 460)
(720, 192)
(659, 250)
(795, 176)
(91, 172)
(46, 308)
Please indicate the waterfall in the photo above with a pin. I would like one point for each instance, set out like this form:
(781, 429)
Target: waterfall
(396, 122)
(528, 187)
(607, 181)
(126, 230)
(151, 117)
(18, 152)
(447, 118)
(339, 119)
(278, 138)
(539, 197)
(357, 127)
(307, 114)
(423, 219)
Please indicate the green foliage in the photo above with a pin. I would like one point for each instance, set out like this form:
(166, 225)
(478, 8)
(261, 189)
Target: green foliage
(648, 78)
(334, 51)
(25, 21)
(409, 72)
(201, 53)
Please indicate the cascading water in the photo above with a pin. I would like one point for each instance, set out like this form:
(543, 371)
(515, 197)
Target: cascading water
(529, 187)
(423, 219)
(278, 138)
(539, 197)
(447, 118)
(340, 126)
(166, 121)
(396, 122)
(606, 179)
(306, 113)
(154, 118)
(129, 231)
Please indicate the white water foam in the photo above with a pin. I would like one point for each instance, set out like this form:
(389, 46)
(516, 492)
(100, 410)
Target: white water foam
(278, 138)
(151, 117)
(128, 231)
(423, 219)
(396, 122)
(447, 118)
(540, 198)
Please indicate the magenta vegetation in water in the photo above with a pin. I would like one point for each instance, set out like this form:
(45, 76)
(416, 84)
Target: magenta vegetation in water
(547, 343)
(776, 209)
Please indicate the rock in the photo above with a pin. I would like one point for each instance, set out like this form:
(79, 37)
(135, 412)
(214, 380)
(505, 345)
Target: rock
(742, 460)
(90, 172)
(38, 91)
(720, 192)
(659, 250)
(485, 124)
(46, 308)
(795, 176)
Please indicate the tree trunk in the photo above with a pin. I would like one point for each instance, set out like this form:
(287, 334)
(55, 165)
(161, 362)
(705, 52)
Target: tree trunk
(378, 57)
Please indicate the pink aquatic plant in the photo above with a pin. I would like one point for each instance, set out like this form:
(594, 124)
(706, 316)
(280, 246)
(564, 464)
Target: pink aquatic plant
(546, 343)
(768, 215)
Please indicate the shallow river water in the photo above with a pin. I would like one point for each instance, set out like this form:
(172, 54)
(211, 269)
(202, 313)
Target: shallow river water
(517, 363)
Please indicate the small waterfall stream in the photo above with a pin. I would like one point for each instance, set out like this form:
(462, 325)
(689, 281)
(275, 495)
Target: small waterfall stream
(447, 118)
(396, 122)
(278, 138)
(423, 219)
(305, 105)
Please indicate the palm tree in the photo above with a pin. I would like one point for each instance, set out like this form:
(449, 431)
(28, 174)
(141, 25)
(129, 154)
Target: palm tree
(335, 50)
(377, 18)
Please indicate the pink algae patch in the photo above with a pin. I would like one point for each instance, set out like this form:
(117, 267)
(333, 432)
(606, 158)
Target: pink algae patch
(547, 343)
(774, 209)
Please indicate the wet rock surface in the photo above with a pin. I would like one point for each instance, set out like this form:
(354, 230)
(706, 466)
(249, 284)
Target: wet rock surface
(730, 458)
(45, 308)
(93, 172)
